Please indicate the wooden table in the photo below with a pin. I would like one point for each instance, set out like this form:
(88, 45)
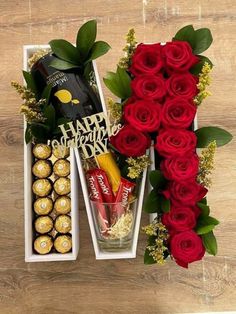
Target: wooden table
(127, 286)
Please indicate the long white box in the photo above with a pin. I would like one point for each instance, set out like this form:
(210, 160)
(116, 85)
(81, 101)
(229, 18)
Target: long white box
(30, 256)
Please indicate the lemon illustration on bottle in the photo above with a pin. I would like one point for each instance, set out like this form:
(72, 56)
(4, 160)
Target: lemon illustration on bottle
(65, 97)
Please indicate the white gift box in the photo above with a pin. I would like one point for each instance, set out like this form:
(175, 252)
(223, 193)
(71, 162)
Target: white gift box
(30, 256)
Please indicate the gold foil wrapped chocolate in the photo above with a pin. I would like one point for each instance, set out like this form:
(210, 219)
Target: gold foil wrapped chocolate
(43, 224)
(63, 243)
(42, 187)
(43, 206)
(42, 169)
(61, 152)
(62, 186)
(63, 224)
(42, 151)
(43, 244)
(61, 168)
(62, 205)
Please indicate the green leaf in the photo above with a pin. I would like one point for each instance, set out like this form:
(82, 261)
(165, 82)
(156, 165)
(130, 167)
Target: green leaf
(86, 37)
(63, 65)
(50, 114)
(186, 33)
(206, 224)
(205, 210)
(40, 131)
(209, 242)
(98, 49)
(157, 179)
(165, 204)
(119, 83)
(61, 121)
(208, 134)
(197, 68)
(202, 40)
(87, 70)
(28, 135)
(30, 82)
(148, 260)
(203, 201)
(65, 51)
(152, 203)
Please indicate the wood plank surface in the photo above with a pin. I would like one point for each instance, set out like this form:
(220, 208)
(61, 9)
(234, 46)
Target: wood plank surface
(125, 286)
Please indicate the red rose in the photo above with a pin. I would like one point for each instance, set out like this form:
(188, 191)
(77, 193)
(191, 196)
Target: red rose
(186, 247)
(175, 142)
(143, 115)
(178, 56)
(146, 59)
(130, 142)
(178, 168)
(149, 87)
(178, 113)
(179, 219)
(187, 192)
(184, 85)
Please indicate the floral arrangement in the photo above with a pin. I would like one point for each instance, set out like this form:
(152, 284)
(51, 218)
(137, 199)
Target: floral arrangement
(160, 87)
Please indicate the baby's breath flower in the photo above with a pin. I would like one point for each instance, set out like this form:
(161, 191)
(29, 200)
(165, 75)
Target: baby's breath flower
(137, 166)
(206, 164)
(115, 110)
(129, 49)
(204, 81)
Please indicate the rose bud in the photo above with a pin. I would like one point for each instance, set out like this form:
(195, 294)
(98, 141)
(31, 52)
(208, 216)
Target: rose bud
(178, 113)
(178, 56)
(186, 247)
(146, 59)
(143, 115)
(184, 85)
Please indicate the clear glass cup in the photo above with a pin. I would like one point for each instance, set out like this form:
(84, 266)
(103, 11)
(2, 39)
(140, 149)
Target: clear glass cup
(114, 224)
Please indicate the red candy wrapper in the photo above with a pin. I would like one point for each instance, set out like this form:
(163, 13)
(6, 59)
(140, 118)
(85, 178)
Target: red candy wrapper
(96, 196)
(123, 194)
(105, 187)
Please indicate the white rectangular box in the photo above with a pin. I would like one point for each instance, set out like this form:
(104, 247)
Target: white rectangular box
(30, 256)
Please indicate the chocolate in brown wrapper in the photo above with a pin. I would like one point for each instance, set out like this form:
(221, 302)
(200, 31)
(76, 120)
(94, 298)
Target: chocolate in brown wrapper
(61, 168)
(43, 206)
(42, 187)
(62, 186)
(63, 243)
(42, 169)
(62, 205)
(43, 244)
(42, 151)
(63, 224)
(61, 151)
(43, 224)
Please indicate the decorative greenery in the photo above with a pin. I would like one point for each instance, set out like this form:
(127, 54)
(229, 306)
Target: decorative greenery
(137, 166)
(204, 81)
(206, 164)
(114, 110)
(86, 50)
(206, 135)
(119, 83)
(210, 243)
(129, 49)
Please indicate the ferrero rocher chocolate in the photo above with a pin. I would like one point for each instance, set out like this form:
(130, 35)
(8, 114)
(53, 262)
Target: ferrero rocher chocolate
(42, 151)
(42, 187)
(43, 244)
(62, 186)
(62, 205)
(42, 169)
(43, 224)
(43, 206)
(61, 152)
(61, 168)
(63, 243)
(63, 224)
